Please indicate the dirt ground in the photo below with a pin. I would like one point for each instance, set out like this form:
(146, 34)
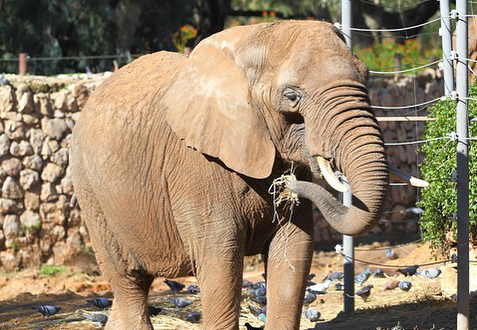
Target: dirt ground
(426, 306)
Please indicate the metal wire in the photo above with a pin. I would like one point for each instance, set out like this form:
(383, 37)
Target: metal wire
(395, 37)
(400, 29)
(406, 70)
(395, 8)
(414, 142)
(395, 266)
(68, 58)
(408, 106)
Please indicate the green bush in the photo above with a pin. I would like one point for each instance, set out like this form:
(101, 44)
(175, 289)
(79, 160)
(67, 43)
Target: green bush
(49, 271)
(439, 200)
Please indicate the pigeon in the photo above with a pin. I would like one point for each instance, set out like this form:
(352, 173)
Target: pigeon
(335, 276)
(251, 327)
(320, 288)
(408, 271)
(246, 283)
(100, 319)
(309, 298)
(260, 292)
(47, 310)
(193, 289)
(180, 302)
(312, 315)
(193, 317)
(153, 311)
(99, 302)
(391, 285)
(361, 278)
(175, 287)
(430, 273)
(365, 291)
(258, 285)
(405, 285)
(378, 272)
(262, 300)
(339, 286)
(260, 313)
(4, 81)
(311, 276)
(391, 254)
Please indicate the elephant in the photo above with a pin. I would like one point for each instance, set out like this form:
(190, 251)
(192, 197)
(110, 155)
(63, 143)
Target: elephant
(173, 156)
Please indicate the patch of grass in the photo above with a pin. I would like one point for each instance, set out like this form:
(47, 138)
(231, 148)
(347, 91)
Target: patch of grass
(49, 271)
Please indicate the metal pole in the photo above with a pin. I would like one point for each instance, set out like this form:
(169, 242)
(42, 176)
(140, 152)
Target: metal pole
(462, 169)
(348, 243)
(348, 260)
(446, 34)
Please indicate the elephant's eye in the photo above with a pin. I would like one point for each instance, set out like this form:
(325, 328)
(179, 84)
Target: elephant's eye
(292, 95)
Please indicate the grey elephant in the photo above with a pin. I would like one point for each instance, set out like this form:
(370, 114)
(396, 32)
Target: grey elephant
(173, 156)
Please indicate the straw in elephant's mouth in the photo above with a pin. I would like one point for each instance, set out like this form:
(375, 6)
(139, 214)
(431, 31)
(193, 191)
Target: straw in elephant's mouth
(282, 193)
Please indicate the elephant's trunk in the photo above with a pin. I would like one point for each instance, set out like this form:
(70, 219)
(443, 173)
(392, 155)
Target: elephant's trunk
(354, 142)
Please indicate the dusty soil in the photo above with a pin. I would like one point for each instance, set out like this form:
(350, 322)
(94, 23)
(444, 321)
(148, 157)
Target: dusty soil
(426, 306)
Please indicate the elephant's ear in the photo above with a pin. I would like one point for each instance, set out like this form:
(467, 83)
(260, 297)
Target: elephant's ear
(209, 107)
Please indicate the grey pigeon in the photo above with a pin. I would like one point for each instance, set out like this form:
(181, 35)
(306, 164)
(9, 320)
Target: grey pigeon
(193, 317)
(335, 276)
(405, 285)
(309, 298)
(260, 292)
(260, 313)
(153, 311)
(320, 288)
(175, 287)
(378, 272)
(258, 285)
(246, 283)
(251, 327)
(100, 302)
(391, 254)
(339, 286)
(193, 289)
(262, 300)
(365, 291)
(311, 276)
(180, 302)
(47, 310)
(431, 273)
(100, 319)
(363, 277)
(4, 81)
(408, 271)
(312, 315)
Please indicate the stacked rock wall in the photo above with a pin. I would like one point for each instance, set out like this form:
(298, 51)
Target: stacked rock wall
(37, 115)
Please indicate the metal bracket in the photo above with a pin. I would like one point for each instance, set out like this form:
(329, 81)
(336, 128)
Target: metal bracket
(453, 136)
(339, 248)
(454, 14)
(453, 55)
(338, 26)
(454, 217)
(454, 258)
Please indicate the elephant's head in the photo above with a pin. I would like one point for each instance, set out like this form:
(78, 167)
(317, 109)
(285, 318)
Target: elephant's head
(290, 90)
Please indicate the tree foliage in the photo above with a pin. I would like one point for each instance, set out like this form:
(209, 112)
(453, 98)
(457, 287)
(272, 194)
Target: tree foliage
(439, 200)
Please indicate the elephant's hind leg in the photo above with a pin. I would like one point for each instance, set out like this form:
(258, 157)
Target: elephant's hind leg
(130, 287)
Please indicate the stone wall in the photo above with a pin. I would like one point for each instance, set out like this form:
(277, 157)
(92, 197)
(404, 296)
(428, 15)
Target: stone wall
(37, 115)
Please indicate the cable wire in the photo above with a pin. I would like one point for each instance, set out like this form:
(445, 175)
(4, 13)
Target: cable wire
(382, 248)
(400, 29)
(406, 70)
(395, 266)
(395, 8)
(408, 106)
(414, 142)
(67, 58)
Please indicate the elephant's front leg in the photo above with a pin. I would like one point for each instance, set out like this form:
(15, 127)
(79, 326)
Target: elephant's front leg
(288, 265)
(219, 274)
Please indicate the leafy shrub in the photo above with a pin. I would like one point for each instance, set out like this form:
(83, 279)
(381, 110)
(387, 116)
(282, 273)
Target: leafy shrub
(381, 56)
(49, 271)
(439, 200)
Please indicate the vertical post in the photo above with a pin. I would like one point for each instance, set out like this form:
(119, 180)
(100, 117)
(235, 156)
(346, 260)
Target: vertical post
(348, 244)
(22, 63)
(462, 169)
(446, 34)
(348, 260)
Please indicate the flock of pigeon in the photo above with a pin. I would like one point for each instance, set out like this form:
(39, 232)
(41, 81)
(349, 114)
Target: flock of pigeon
(257, 293)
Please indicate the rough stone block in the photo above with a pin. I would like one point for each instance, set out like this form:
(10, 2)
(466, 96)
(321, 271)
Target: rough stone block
(29, 179)
(52, 172)
(11, 189)
(11, 226)
(12, 166)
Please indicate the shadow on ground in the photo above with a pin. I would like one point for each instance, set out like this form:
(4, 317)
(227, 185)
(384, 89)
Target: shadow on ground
(428, 314)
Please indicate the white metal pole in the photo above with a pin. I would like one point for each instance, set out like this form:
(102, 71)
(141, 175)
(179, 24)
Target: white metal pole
(462, 168)
(446, 34)
(348, 243)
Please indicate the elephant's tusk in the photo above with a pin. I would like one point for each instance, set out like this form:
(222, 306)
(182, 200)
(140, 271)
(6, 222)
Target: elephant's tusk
(403, 177)
(329, 175)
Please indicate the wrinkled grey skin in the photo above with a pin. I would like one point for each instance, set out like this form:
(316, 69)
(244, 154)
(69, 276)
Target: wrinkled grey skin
(173, 156)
